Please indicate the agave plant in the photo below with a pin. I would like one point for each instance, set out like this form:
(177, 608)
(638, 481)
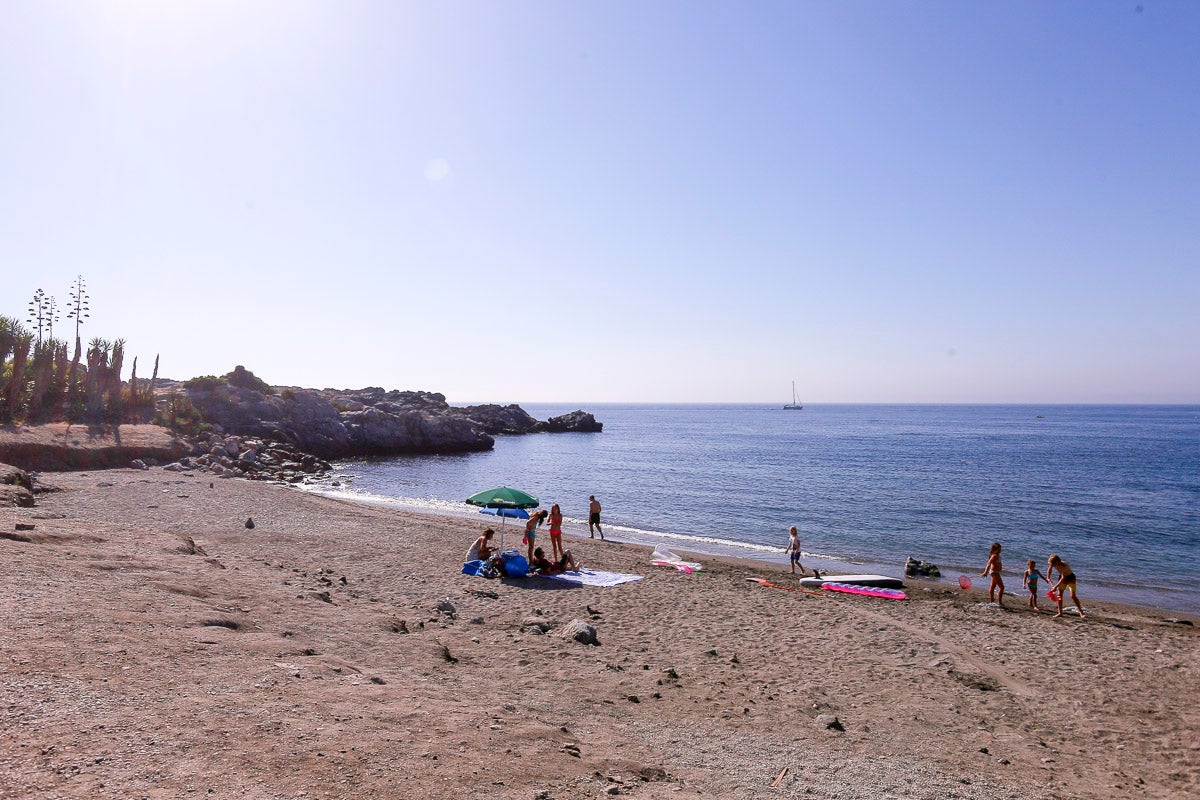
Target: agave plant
(14, 388)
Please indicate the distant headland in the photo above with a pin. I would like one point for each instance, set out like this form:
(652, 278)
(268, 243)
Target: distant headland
(239, 425)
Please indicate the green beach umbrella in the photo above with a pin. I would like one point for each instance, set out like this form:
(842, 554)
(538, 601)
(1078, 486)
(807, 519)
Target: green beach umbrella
(503, 497)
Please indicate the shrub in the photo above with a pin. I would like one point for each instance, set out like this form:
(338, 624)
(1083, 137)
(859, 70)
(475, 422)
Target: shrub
(204, 382)
(245, 379)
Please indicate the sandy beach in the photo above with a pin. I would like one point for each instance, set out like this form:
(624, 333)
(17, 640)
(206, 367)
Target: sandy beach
(153, 646)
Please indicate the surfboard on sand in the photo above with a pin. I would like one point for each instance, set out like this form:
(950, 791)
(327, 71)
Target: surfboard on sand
(765, 582)
(878, 581)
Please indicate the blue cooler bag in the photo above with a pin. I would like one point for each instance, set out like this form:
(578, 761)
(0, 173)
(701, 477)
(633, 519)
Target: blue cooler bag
(515, 564)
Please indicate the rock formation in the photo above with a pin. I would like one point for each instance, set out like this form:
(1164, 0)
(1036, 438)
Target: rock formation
(16, 487)
(331, 423)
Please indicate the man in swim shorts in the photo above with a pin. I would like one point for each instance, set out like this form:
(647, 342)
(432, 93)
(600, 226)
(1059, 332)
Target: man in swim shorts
(594, 517)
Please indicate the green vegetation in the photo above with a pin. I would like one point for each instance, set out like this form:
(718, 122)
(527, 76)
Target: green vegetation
(246, 379)
(40, 383)
(178, 414)
(204, 382)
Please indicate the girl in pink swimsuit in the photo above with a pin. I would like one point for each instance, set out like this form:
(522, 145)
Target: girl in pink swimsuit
(556, 531)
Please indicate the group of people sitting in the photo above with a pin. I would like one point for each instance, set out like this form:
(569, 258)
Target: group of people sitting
(482, 550)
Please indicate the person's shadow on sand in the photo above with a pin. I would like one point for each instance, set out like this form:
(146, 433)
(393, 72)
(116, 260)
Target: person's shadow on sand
(539, 583)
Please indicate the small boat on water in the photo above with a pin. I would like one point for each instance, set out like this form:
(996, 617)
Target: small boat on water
(795, 405)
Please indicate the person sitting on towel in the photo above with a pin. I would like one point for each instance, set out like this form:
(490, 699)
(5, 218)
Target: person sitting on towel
(482, 547)
(545, 566)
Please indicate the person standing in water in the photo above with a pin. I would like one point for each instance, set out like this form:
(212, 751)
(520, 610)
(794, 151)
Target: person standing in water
(594, 517)
(1066, 580)
(993, 568)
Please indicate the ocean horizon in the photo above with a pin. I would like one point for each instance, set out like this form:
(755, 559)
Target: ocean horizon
(1113, 489)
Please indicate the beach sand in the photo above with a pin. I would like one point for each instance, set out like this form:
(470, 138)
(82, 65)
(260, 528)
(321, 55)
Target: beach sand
(152, 646)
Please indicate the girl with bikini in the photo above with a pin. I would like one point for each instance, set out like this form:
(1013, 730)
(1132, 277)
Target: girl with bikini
(1030, 582)
(556, 531)
(531, 531)
(993, 568)
(1066, 580)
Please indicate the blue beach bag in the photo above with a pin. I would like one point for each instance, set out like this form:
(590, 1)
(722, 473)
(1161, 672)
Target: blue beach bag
(473, 567)
(515, 564)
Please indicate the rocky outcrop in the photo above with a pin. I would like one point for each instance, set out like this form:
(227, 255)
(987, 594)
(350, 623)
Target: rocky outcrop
(915, 568)
(332, 423)
(61, 446)
(574, 422)
(14, 476)
(514, 420)
(241, 457)
(16, 487)
(497, 420)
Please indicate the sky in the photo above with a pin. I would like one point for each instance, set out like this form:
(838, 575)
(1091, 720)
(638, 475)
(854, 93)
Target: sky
(908, 202)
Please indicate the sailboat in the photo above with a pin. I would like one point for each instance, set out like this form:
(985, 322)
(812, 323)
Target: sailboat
(795, 405)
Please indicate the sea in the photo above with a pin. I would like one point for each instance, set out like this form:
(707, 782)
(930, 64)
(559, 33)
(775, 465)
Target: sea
(1114, 490)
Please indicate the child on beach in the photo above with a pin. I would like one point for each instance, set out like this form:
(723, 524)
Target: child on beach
(793, 547)
(556, 531)
(1066, 580)
(1030, 582)
(994, 568)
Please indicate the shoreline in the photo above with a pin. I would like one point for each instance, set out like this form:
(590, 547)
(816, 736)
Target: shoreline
(158, 647)
(760, 555)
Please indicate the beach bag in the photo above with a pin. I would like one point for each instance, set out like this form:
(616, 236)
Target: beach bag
(515, 565)
(473, 567)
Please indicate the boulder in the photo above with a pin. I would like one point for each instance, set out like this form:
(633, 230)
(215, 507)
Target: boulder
(830, 722)
(11, 476)
(915, 568)
(19, 496)
(574, 422)
(579, 631)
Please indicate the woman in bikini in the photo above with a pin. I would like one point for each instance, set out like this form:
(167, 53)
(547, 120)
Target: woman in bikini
(556, 531)
(993, 568)
(1066, 580)
(531, 531)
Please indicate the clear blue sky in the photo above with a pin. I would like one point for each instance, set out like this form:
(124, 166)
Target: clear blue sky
(619, 201)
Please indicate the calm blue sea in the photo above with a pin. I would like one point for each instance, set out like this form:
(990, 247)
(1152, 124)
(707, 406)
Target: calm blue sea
(1114, 490)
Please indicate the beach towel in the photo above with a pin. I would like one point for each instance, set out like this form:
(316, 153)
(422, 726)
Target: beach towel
(594, 577)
